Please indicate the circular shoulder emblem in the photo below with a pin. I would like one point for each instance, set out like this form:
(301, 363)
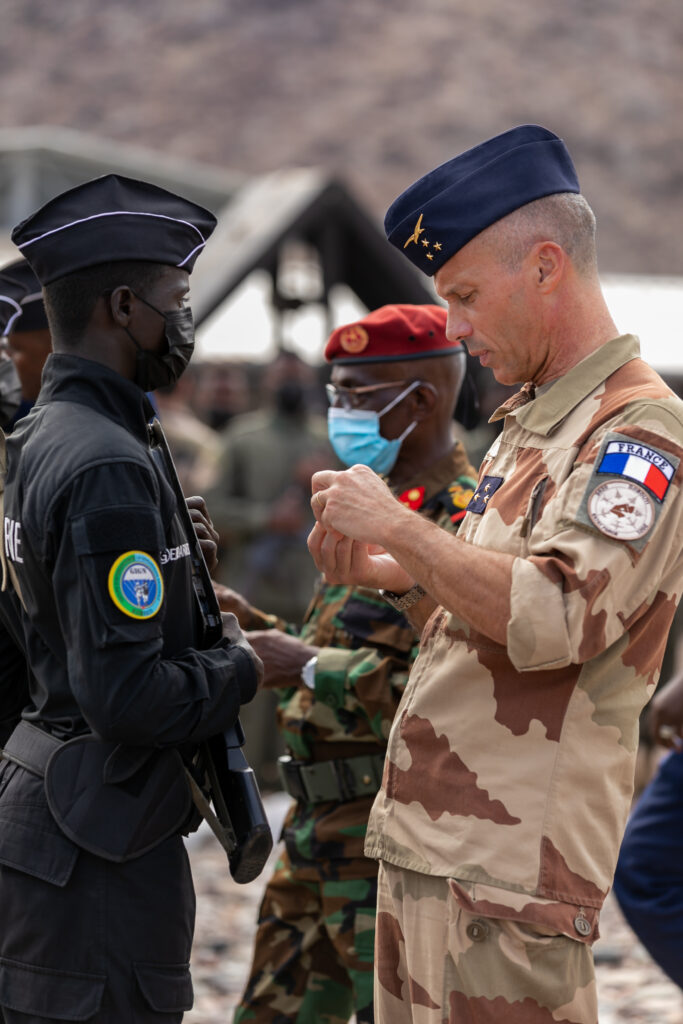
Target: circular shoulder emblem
(135, 585)
(621, 509)
(354, 339)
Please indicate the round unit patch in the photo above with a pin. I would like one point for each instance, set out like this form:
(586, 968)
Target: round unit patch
(621, 509)
(354, 339)
(135, 585)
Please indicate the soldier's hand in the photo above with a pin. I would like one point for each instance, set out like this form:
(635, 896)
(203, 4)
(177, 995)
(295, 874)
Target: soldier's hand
(233, 633)
(204, 528)
(230, 601)
(666, 715)
(283, 656)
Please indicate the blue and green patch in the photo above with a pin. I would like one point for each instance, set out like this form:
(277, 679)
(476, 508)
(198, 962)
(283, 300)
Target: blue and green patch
(135, 585)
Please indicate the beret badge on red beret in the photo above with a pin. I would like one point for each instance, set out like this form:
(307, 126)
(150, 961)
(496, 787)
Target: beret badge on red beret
(354, 339)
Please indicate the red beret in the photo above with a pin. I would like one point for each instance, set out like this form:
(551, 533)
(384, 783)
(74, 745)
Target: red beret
(390, 334)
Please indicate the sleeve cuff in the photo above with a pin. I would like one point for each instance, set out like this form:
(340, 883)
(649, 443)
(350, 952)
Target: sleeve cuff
(537, 633)
(244, 668)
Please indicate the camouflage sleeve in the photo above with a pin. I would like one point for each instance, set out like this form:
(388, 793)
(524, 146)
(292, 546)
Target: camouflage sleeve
(362, 683)
(604, 548)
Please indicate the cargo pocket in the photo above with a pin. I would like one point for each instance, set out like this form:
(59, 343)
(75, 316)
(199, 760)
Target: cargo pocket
(40, 992)
(166, 988)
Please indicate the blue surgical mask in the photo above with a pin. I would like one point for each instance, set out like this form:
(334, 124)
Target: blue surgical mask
(354, 435)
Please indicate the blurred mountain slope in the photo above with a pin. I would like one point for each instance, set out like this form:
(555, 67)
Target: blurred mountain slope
(378, 91)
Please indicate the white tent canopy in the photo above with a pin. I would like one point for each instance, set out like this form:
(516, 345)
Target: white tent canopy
(243, 328)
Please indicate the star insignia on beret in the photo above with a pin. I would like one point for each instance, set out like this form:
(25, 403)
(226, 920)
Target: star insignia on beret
(425, 243)
(437, 246)
(417, 231)
(429, 256)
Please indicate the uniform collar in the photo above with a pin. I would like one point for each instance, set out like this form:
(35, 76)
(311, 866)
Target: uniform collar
(447, 469)
(555, 401)
(71, 378)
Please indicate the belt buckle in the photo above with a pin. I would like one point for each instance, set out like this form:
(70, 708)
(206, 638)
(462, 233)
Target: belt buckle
(322, 782)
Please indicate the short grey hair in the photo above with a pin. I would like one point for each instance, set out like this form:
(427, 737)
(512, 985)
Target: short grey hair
(564, 218)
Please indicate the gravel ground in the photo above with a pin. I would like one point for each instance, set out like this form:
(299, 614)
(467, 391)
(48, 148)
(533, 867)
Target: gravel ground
(630, 986)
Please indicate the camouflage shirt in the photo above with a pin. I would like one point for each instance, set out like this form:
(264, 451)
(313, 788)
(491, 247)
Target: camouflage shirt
(510, 768)
(367, 648)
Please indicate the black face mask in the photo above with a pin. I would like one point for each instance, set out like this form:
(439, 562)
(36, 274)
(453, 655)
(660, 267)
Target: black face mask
(158, 371)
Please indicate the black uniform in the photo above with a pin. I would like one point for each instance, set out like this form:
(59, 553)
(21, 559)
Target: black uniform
(83, 492)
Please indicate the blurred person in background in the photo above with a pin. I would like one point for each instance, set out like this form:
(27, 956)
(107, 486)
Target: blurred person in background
(222, 390)
(395, 381)
(195, 447)
(260, 500)
(28, 343)
(649, 879)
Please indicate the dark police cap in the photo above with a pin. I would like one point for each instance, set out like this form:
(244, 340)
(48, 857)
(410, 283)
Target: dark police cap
(442, 211)
(111, 219)
(21, 299)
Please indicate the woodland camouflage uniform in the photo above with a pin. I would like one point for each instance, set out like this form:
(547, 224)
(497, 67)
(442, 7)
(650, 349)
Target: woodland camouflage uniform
(313, 959)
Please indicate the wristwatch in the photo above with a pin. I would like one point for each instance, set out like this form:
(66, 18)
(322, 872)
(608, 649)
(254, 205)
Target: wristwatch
(402, 602)
(308, 672)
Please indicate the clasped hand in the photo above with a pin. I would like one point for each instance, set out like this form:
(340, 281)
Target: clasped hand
(355, 512)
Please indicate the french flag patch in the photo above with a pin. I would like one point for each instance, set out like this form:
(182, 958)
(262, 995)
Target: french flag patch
(638, 462)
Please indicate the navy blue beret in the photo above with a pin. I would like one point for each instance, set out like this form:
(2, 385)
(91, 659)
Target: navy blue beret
(442, 211)
(21, 299)
(112, 218)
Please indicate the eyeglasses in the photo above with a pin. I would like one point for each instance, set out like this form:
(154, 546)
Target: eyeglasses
(353, 398)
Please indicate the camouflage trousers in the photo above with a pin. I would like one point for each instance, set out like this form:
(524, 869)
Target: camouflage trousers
(437, 963)
(314, 950)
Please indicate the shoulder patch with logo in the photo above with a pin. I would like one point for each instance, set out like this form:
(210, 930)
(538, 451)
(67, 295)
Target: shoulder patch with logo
(623, 456)
(626, 490)
(135, 585)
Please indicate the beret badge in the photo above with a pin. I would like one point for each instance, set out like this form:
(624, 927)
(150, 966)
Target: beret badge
(354, 339)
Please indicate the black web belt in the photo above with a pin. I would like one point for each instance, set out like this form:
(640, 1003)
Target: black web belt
(317, 782)
(30, 747)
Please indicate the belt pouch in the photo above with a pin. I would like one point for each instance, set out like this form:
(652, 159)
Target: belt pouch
(114, 801)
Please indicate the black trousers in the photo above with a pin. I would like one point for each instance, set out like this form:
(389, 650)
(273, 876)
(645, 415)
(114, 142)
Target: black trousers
(83, 938)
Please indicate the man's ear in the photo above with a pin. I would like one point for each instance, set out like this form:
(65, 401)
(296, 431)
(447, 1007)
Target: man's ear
(120, 305)
(548, 262)
(424, 401)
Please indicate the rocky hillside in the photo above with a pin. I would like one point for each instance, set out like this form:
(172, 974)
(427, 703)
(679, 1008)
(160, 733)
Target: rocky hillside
(379, 91)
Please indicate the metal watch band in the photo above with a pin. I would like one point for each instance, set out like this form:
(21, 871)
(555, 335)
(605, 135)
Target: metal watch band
(402, 602)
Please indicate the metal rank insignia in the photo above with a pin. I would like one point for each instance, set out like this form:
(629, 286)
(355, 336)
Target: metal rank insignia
(483, 494)
(418, 230)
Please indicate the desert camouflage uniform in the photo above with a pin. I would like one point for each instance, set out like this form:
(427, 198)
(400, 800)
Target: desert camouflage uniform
(314, 950)
(510, 768)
